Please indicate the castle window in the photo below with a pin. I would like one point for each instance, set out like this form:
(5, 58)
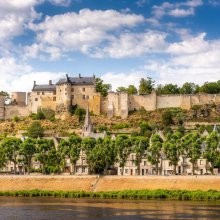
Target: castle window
(87, 97)
(42, 93)
(84, 97)
(36, 99)
(38, 93)
(54, 98)
(83, 89)
(83, 169)
(72, 90)
(65, 89)
(170, 164)
(54, 92)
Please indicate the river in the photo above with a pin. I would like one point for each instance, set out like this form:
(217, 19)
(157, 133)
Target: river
(13, 208)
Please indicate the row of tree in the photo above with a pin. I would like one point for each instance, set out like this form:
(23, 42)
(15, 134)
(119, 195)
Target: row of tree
(146, 86)
(102, 154)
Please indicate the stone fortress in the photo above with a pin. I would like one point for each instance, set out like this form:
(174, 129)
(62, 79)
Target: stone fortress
(80, 90)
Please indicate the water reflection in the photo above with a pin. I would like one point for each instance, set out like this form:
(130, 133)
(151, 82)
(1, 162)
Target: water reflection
(64, 209)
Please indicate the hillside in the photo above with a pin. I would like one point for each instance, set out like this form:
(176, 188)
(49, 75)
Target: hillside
(197, 115)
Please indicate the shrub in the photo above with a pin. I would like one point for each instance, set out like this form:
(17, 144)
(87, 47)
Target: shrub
(121, 126)
(167, 118)
(16, 118)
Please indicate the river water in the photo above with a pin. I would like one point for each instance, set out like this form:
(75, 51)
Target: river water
(65, 209)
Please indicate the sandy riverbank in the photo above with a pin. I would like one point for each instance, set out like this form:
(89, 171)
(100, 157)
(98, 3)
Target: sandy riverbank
(108, 183)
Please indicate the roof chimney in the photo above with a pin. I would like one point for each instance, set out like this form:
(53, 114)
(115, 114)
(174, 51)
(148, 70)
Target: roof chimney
(67, 76)
(79, 75)
(34, 83)
(50, 82)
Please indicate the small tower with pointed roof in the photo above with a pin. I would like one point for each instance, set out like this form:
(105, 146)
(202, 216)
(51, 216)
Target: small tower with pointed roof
(87, 128)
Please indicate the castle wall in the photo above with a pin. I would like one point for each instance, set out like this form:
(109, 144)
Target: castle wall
(2, 107)
(113, 105)
(148, 102)
(202, 99)
(18, 98)
(169, 101)
(13, 110)
(104, 105)
(36, 100)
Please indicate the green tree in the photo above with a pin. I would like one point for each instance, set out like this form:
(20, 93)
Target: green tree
(87, 145)
(27, 150)
(43, 148)
(123, 145)
(35, 130)
(101, 87)
(189, 88)
(192, 146)
(155, 150)
(168, 89)
(139, 147)
(11, 147)
(71, 149)
(146, 86)
(102, 156)
(131, 90)
(54, 161)
(172, 147)
(210, 87)
(212, 152)
(122, 89)
(3, 158)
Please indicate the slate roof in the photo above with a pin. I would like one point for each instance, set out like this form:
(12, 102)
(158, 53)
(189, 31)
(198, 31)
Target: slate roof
(47, 87)
(77, 80)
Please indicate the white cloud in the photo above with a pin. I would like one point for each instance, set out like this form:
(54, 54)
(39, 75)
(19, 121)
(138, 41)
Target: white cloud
(191, 45)
(193, 60)
(123, 79)
(178, 9)
(82, 31)
(20, 76)
(64, 3)
(14, 17)
(133, 45)
(181, 12)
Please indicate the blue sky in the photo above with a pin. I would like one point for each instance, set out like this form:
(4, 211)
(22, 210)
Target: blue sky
(120, 41)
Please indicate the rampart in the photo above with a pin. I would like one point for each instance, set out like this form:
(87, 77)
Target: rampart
(119, 104)
(115, 104)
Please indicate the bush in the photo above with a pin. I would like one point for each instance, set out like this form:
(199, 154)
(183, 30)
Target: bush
(121, 126)
(167, 118)
(35, 130)
(16, 118)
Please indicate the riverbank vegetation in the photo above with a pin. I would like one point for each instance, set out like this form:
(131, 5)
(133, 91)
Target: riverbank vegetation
(210, 195)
